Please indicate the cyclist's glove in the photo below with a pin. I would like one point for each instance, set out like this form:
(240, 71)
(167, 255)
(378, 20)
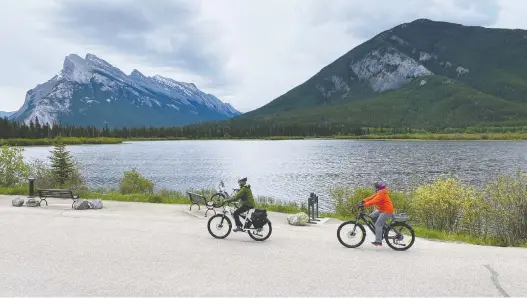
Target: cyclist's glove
(360, 204)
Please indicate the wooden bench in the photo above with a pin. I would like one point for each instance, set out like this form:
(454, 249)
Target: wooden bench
(196, 199)
(57, 193)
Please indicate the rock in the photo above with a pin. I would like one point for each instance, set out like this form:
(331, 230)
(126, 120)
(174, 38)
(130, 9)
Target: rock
(18, 202)
(299, 219)
(95, 204)
(81, 205)
(32, 203)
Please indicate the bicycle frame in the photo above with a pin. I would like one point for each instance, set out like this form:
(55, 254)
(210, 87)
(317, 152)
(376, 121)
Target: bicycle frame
(244, 216)
(369, 223)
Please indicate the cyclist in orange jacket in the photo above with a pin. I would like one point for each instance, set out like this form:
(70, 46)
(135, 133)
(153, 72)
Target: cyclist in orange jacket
(384, 205)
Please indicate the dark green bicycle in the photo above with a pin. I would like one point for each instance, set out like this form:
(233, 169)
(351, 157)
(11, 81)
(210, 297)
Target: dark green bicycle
(395, 231)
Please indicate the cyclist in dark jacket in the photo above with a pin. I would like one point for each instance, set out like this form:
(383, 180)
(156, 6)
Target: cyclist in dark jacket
(245, 196)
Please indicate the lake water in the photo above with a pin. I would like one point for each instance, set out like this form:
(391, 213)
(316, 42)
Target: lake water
(290, 170)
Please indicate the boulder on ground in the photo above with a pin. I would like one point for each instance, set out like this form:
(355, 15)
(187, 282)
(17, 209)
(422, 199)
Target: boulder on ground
(32, 203)
(81, 205)
(95, 204)
(299, 219)
(18, 202)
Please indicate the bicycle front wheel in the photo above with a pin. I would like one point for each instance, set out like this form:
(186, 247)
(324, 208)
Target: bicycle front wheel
(349, 232)
(219, 226)
(399, 236)
(263, 233)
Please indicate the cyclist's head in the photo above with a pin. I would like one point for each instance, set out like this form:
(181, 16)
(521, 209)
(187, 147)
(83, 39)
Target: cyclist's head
(379, 186)
(242, 181)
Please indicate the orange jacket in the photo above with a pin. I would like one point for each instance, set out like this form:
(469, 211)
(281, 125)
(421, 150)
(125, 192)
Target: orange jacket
(381, 200)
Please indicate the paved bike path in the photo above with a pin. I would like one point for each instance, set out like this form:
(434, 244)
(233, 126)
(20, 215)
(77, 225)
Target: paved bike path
(134, 249)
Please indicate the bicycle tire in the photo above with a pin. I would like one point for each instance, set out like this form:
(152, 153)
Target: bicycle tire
(266, 237)
(217, 203)
(228, 222)
(396, 225)
(359, 225)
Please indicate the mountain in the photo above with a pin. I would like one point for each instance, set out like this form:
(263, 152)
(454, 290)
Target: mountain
(91, 91)
(420, 74)
(6, 114)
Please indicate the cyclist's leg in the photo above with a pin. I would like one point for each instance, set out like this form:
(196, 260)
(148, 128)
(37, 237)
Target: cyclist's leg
(374, 215)
(236, 215)
(381, 220)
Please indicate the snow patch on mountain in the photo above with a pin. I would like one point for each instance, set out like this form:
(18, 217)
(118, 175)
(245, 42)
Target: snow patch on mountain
(424, 56)
(461, 71)
(387, 69)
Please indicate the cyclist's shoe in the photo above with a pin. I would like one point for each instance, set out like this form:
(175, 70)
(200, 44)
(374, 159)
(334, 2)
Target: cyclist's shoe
(377, 243)
(238, 229)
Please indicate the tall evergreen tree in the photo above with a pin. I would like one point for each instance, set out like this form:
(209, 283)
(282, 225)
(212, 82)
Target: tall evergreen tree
(62, 164)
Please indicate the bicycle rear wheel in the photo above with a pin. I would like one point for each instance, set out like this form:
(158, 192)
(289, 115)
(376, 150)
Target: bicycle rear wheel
(397, 233)
(351, 231)
(262, 234)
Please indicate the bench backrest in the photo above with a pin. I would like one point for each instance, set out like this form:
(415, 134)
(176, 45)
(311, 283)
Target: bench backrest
(56, 193)
(194, 197)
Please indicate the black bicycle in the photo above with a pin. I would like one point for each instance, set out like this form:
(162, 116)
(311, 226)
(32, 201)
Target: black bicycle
(392, 231)
(222, 195)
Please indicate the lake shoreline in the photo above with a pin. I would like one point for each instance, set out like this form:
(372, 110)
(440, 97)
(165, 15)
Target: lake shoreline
(389, 137)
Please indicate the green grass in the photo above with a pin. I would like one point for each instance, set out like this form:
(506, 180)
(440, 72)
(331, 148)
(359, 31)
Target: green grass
(454, 237)
(410, 136)
(513, 136)
(18, 190)
(51, 142)
(442, 136)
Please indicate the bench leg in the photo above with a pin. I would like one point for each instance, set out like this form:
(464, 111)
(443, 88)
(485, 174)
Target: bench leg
(40, 202)
(199, 208)
(210, 210)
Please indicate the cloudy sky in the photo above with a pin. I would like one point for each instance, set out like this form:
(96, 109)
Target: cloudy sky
(246, 52)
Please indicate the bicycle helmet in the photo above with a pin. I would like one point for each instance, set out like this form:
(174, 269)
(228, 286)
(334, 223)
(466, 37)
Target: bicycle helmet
(379, 186)
(242, 181)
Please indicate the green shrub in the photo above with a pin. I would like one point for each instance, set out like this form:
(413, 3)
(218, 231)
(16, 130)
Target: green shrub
(345, 199)
(43, 174)
(13, 170)
(441, 204)
(133, 183)
(272, 204)
(506, 216)
(156, 199)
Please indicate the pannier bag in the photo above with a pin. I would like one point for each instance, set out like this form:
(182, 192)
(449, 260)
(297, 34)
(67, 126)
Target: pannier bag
(259, 218)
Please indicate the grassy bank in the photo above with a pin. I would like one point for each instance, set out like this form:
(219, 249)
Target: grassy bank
(416, 136)
(442, 136)
(66, 141)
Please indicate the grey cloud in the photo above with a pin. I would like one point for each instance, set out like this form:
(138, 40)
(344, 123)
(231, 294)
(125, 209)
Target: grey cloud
(365, 20)
(127, 25)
